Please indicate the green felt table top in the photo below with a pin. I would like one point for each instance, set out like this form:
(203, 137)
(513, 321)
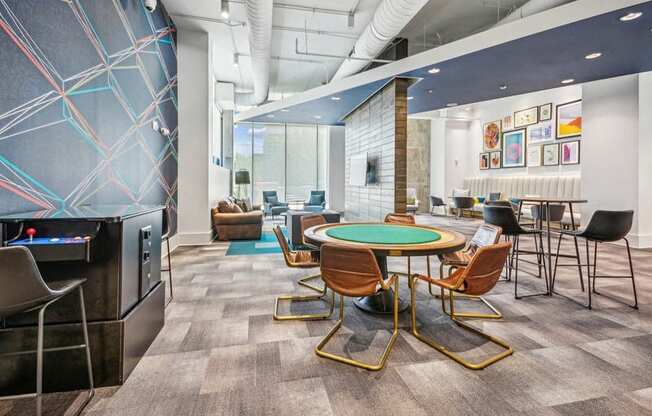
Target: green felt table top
(383, 234)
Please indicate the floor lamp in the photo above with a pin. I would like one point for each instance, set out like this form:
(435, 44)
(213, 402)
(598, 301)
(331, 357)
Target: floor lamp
(242, 178)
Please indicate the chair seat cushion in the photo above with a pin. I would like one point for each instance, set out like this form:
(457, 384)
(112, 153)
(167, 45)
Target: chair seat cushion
(459, 258)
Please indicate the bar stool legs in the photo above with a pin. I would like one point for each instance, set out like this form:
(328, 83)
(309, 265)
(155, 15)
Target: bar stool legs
(305, 298)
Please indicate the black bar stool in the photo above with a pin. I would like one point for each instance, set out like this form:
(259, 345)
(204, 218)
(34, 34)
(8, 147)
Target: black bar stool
(504, 217)
(23, 290)
(604, 227)
(165, 238)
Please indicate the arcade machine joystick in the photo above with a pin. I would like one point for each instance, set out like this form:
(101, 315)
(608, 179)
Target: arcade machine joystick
(31, 232)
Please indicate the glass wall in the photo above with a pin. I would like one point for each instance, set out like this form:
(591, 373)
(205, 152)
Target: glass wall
(289, 159)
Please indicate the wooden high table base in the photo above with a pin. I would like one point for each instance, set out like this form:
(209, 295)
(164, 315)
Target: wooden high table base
(381, 302)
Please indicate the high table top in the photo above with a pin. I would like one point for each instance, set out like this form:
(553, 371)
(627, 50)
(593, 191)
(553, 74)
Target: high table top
(388, 239)
(539, 199)
(108, 213)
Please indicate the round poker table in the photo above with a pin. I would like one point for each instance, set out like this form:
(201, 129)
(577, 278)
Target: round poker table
(386, 240)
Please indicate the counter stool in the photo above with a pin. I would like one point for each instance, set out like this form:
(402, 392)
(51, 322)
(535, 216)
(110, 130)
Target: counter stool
(354, 272)
(23, 290)
(302, 259)
(604, 227)
(505, 218)
(165, 238)
(476, 279)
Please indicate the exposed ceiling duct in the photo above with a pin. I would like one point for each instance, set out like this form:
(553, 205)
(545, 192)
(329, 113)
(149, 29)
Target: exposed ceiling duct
(259, 23)
(390, 18)
(532, 7)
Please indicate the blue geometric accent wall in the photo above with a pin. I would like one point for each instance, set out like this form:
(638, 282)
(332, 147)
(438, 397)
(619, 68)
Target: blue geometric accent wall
(81, 83)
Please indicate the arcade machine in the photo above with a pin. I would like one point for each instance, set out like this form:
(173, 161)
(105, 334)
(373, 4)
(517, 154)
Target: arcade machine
(118, 250)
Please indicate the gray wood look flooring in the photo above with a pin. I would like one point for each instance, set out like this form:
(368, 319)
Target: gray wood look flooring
(221, 353)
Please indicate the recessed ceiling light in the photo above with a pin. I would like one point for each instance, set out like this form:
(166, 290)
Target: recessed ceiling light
(451, 105)
(224, 9)
(410, 98)
(631, 16)
(270, 115)
(467, 109)
(434, 70)
(285, 110)
(594, 55)
(318, 117)
(502, 87)
(568, 81)
(429, 91)
(335, 98)
(236, 60)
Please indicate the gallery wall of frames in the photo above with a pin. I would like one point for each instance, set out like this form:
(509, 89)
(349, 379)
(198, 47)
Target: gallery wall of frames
(547, 134)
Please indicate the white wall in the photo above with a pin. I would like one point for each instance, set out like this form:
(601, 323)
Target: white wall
(645, 160)
(194, 139)
(335, 192)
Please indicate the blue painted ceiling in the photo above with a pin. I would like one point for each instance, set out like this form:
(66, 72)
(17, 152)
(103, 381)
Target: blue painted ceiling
(528, 64)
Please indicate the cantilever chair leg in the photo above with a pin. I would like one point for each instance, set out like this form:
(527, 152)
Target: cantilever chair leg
(383, 358)
(305, 298)
(456, 357)
(304, 282)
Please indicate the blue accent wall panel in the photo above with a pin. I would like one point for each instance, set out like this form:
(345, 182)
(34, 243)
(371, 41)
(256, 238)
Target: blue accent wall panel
(81, 83)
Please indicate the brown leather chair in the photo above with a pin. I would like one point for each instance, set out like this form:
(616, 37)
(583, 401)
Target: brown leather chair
(308, 221)
(405, 219)
(354, 272)
(231, 223)
(485, 235)
(476, 279)
(302, 259)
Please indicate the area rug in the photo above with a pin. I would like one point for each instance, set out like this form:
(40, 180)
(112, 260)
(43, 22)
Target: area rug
(266, 245)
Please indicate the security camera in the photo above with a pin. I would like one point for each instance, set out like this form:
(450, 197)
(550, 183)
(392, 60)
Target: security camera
(150, 5)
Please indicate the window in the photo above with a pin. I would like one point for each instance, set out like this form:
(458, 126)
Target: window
(269, 160)
(242, 145)
(302, 161)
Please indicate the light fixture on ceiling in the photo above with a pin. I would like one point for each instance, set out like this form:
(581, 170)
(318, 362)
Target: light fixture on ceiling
(236, 60)
(285, 110)
(502, 87)
(429, 91)
(350, 21)
(434, 70)
(467, 109)
(594, 55)
(335, 98)
(270, 115)
(224, 9)
(568, 81)
(318, 117)
(452, 105)
(410, 98)
(631, 16)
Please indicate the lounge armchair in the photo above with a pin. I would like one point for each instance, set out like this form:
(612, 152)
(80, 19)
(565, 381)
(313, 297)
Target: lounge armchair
(316, 202)
(271, 204)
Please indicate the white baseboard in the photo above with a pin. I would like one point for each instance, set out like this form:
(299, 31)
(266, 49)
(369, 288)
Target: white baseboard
(640, 240)
(188, 239)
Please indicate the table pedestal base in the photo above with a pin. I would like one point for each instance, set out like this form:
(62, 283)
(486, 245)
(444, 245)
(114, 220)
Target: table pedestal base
(380, 303)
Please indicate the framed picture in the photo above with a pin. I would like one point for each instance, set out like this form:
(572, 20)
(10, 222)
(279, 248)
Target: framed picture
(534, 156)
(545, 112)
(484, 161)
(551, 154)
(539, 133)
(508, 123)
(491, 136)
(494, 160)
(570, 153)
(526, 117)
(514, 149)
(569, 120)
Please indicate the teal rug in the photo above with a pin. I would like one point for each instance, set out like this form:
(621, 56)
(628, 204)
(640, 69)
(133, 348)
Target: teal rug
(266, 245)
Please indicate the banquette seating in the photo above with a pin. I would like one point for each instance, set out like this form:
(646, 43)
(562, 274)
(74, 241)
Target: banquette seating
(515, 187)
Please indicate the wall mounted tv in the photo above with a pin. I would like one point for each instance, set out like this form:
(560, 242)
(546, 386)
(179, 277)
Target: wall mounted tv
(364, 170)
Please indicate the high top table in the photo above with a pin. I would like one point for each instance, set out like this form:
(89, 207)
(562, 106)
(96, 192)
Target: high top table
(543, 201)
(385, 240)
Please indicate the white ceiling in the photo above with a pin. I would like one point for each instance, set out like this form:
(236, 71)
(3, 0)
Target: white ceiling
(292, 73)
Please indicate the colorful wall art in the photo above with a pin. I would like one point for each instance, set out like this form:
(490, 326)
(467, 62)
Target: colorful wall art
(569, 120)
(484, 161)
(570, 153)
(514, 149)
(508, 123)
(551, 154)
(540, 133)
(494, 160)
(526, 117)
(491, 136)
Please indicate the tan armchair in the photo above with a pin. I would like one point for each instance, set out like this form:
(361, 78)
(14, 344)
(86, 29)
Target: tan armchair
(232, 223)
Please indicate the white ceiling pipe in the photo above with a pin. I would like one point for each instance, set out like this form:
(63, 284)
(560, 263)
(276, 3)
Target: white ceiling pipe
(390, 18)
(532, 7)
(259, 23)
